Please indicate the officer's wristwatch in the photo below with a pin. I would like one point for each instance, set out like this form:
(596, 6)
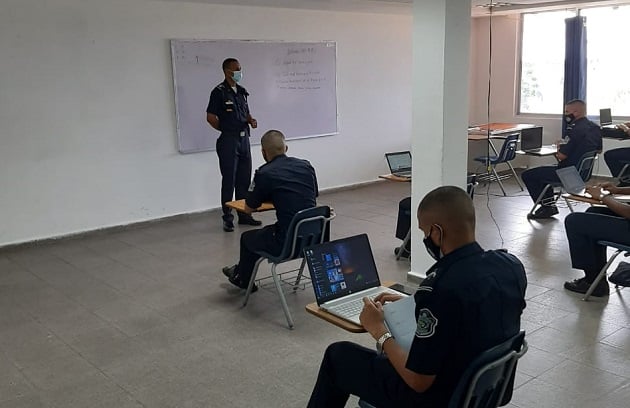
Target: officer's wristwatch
(381, 340)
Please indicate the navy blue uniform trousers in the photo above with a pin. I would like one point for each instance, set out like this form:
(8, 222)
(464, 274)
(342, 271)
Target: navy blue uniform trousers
(235, 163)
(348, 368)
(616, 159)
(263, 239)
(537, 178)
(583, 232)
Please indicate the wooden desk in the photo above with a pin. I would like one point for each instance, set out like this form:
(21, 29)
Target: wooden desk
(622, 198)
(239, 205)
(547, 150)
(499, 128)
(314, 309)
(391, 177)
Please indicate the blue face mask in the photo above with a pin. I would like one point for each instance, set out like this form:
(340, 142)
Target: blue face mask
(237, 76)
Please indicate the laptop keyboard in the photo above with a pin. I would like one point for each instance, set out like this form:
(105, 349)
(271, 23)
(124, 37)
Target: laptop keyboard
(351, 308)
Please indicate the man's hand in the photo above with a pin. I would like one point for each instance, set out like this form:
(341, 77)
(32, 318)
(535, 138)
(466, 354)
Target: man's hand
(610, 187)
(372, 318)
(387, 297)
(253, 122)
(595, 192)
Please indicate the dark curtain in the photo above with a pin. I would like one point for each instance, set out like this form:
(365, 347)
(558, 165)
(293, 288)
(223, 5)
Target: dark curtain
(574, 61)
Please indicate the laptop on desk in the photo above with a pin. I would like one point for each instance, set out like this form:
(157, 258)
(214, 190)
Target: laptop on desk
(605, 119)
(573, 184)
(343, 272)
(399, 163)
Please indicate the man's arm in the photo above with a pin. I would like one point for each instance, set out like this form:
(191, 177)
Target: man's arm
(373, 321)
(619, 208)
(213, 120)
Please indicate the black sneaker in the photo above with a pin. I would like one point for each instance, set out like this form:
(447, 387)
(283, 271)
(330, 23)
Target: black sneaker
(543, 213)
(249, 221)
(581, 286)
(405, 253)
(228, 226)
(235, 279)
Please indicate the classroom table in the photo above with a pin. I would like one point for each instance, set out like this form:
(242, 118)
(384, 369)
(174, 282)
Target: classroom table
(545, 150)
(392, 177)
(239, 205)
(314, 309)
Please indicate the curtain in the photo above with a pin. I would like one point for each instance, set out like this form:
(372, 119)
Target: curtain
(574, 61)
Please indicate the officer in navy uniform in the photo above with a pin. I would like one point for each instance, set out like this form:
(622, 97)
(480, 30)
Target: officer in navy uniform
(228, 113)
(584, 136)
(290, 185)
(470, 301)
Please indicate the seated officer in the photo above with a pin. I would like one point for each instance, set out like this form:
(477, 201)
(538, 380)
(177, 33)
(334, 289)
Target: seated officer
(610, 223)
(291, 186)
(470, 301)
(584, 136)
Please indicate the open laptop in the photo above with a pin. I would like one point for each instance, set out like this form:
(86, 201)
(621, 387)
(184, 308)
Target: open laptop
(605, 119)
(399, 163)
(343, 272)
(532, 142)
(573, 184)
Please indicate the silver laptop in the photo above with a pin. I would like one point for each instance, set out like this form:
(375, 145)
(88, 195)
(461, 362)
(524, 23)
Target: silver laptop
(343, 272)
(605, 118)
(572, 181)
(399, 163)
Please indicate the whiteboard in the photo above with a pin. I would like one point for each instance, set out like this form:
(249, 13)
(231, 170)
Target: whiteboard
(292, 87)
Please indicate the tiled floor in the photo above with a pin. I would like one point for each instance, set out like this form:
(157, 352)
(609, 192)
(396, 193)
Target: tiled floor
(144, 317)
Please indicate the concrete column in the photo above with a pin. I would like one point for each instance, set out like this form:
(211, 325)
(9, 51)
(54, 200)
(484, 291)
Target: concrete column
(441, 47)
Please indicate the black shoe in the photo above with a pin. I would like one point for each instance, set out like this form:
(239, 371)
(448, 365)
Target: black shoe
(228, 226)
(235, 279)
(581, 286)
(405, 253)
(543, 213)
(249, 221)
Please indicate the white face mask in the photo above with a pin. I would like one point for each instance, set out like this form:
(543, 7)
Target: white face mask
(237, 76)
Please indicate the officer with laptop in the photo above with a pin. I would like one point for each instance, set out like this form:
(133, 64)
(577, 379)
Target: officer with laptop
(583, 136)
(470, 301)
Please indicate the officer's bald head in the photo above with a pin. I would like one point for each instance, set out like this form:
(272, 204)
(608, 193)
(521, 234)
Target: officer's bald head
(273, 144)
(452, 209)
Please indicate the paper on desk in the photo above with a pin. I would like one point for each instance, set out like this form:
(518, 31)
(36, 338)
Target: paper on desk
(400, 317)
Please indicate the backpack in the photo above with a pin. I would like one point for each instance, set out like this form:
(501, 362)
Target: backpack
(621, 275)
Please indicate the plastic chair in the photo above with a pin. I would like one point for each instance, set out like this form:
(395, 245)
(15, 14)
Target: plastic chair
(585, 168)
(489, 379)
(602, 273)
(507, 154)
(308, 227)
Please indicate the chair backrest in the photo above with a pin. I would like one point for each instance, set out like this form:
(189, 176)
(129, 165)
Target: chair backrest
(586, 164)
(508, 150)
(489, 379)
(308, 227)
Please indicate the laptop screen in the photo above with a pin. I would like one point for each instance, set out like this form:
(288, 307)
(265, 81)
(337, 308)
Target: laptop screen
(605, 117)
(531, 138)
(399, 161)
(571, 180)
(341, 267)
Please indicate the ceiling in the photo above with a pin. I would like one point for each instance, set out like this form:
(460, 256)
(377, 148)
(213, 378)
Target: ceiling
(404, 6)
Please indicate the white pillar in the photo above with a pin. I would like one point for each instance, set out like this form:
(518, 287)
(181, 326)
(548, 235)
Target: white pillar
(441, 47)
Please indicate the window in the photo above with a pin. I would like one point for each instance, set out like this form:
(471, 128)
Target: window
(542, 61)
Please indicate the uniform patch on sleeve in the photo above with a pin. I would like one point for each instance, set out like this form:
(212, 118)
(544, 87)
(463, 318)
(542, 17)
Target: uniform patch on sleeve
(251, 186)
(426, 324)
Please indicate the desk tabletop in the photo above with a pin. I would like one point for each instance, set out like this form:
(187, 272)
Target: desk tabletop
(392, 177)
(239, 205)
(548, 150)
(498, 128)
(314, 309)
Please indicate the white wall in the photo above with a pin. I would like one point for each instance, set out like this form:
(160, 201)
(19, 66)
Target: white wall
(505, 69)
(87, 129)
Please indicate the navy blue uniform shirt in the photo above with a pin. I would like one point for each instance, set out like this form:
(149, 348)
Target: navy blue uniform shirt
(470, 301)
(287, 182)
(584, 136)
(230, 107)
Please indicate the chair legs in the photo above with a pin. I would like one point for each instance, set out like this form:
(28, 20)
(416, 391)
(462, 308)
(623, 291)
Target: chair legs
(283, 301)
(601, 275)
(403, 246)
(252, 279)
(540, 198)
(299, 276)
(515, 176)
(494, 171)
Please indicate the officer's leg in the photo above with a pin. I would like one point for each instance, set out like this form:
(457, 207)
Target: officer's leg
(243, 167)
(616, 158)
(537, 178)
(348, 368)
(252, 241)
(226, 150)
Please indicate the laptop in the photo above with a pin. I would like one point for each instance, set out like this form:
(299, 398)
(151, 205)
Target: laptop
(605, 119)
(531, 139)
(399, 163)
(343, 272)
(572, 181)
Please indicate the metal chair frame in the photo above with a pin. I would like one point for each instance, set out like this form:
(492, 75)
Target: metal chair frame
(507, 154)
(620, 248)
(289, 253)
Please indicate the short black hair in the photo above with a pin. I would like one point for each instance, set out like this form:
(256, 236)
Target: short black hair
(452, 203)
(227, 62)
(576, 102)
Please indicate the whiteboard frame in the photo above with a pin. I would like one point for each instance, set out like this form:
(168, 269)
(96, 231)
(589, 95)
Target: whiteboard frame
(211, 148)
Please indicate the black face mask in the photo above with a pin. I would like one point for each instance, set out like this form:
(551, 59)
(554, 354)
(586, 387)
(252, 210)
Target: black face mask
(432, 248)
(569, 118)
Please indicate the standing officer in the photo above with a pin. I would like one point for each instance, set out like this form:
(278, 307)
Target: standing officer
(228, 113)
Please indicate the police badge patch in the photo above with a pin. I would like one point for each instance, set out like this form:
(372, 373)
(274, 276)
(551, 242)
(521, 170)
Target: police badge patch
(426, 324)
